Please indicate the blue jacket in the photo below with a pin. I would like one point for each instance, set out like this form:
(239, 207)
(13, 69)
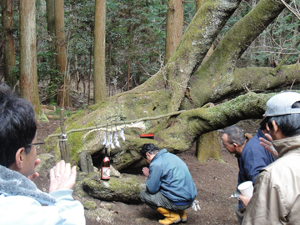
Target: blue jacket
(170, 176)
(22, 203)
(254, 158)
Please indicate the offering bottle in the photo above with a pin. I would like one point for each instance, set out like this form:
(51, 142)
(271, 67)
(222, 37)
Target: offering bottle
(105, 169)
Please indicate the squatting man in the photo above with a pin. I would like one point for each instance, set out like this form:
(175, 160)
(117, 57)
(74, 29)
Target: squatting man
(170, 189)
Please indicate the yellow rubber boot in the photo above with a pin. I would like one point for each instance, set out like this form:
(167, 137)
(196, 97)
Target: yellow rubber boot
(183, 215)
(171, 217)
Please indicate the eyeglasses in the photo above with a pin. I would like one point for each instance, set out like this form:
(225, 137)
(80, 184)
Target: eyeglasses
(40, 142)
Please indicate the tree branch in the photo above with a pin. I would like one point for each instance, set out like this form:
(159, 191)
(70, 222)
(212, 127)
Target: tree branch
(291, 9)
(221, 64)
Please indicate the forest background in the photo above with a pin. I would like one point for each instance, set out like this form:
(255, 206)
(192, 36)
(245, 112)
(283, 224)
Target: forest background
(49, 55)
(134, 44)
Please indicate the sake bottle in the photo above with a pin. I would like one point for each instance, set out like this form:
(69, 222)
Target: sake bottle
(105, 169)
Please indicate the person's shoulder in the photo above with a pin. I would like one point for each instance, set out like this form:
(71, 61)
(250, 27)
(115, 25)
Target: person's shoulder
(163, 153)
(167, 157)
(281, 171)
(253, 144)
(281, 164)
(253, 141)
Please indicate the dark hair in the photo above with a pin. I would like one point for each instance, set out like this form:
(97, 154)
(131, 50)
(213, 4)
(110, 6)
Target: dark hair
(263, 123)
(235, 135)
(288, 124)
(150, 148)
(17, 125)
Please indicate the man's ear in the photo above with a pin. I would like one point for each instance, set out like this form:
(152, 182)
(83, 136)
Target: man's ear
(267, 127)
(147, 155)
(275, 127)
(20, 158)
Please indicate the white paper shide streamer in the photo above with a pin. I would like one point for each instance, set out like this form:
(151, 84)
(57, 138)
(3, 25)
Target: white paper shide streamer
(116, 139)
(104, 139)
(122, 134)
(110, 142)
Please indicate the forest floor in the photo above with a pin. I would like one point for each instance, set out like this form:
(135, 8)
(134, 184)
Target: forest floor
(215, 182)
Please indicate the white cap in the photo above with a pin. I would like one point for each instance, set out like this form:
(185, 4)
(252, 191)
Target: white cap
(281, 104)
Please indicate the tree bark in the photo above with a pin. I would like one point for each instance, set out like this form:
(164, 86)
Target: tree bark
(8, 40)
(63, 98)
(212, 79)
(208, 146)
(53, 81)
(99, 51)
(164, 92)
(50, 15)
(191, 50)
(174, 27)
(198, 4)
(28, 55)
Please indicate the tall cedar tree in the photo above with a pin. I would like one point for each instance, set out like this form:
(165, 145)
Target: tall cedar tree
(99, 51)
(28, 55)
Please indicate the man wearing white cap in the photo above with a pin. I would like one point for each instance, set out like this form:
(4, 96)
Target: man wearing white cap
(276, 197)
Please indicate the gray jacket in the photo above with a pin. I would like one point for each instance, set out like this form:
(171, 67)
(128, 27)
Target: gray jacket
(277, 188)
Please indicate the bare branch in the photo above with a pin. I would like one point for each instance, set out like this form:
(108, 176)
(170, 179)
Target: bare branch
(291, 9)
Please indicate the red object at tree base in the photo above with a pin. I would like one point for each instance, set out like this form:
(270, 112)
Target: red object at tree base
(147, 136)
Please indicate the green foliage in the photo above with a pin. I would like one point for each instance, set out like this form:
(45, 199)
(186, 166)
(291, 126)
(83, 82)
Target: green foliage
(135, 40)
(135, 34)
(271, 46)
(67, 113)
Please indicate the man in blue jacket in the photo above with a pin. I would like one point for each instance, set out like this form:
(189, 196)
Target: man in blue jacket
(170, 187)
(251, 156)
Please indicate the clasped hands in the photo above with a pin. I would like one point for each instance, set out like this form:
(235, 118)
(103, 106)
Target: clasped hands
(146, 171)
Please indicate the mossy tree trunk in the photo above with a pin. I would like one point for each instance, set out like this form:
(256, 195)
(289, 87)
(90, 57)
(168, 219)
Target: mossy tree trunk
(185, 83)
(207, 79)
(99, 52)
(208, 146)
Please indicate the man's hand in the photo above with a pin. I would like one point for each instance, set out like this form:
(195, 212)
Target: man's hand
(146, 171)
(245, 200)
(35, 174)
(64, 177)
(268, 145)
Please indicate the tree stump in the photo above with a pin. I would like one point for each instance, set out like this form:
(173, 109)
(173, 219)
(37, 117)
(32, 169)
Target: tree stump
(208, 146)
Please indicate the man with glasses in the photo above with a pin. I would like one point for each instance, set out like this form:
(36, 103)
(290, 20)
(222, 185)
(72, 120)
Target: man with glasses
(170, 187)
(20, 200)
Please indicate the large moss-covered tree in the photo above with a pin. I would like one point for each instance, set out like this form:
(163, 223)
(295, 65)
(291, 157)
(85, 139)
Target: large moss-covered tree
(187, 84)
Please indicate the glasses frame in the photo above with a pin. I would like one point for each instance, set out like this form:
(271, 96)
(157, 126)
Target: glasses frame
(40, 142)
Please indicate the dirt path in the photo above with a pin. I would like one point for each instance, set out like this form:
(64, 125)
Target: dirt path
(215, 183)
